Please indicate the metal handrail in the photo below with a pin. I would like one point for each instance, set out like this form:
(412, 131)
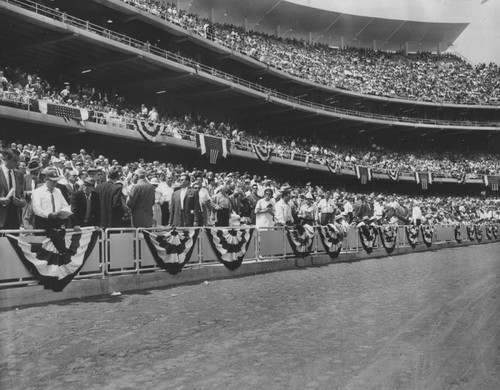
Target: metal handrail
(271, 95)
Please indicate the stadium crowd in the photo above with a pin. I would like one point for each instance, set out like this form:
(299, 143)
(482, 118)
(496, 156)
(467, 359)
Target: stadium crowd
(97, 191)
(20, 86)
(422, 76)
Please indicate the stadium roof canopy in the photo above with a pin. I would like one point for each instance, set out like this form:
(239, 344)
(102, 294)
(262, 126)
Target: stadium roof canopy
(326, 26)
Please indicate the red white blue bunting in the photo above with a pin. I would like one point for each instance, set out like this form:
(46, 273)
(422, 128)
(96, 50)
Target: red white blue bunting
(230, 245)
(333, 167)
(172, 250)
(331, 238)
(495, 231)
(55, 266)
(412, 235)
(458, 233)
(149, 131)
(301, 239)
(393, 174)
(479, 232)
(489, 232)
(262, 152)
(427, 234)
(471, 232)
(388, 236)
(368, 235)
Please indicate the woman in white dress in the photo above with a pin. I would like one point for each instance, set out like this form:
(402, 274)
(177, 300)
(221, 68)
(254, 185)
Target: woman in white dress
(264, 210)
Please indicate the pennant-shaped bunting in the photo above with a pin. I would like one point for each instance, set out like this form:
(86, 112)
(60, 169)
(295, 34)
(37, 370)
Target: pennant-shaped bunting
(230, 245)
(388, 236)
(495, 231)
(263, 153)
(333, 167)
(427, 234)
(368, 235)
(393, 174)
(55, 267)
(471, 232)
(479, 232)
(412, 235)
(364, 174)
(331, 237)
(424, 179)
(149, 131)
(301, 239)
(458, 233)
(489, 232)
(172, 250)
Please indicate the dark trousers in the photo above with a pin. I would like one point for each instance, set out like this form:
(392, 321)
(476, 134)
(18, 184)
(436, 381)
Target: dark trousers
(165, 213)
(55, 229)
(12, 218)
(222, 217)
(325, 218)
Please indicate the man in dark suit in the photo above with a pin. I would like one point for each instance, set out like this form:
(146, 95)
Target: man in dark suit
(11, 191)
(141, 201)
(111, 199)
(184, 205)
(85, 205)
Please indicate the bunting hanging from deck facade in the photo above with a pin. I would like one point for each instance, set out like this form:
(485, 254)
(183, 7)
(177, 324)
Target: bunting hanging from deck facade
(393, 174)
(213, 146)
(427, 234)
(333, 167)
(230, 245)
(412, 235)
(55, 267)
(364, 174)
(492, 181)
(68, 113)
(172, 250)
(263, 153)
(424, 179)
(148, 130)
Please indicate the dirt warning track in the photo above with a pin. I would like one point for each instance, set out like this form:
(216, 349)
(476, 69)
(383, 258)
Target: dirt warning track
(420, 321)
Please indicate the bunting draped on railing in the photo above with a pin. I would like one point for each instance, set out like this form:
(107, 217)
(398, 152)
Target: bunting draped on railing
(149, 130)
(427, 234)
(331, 238)
(495, 231)
(489, 232)
(333, 167)
(462, 178)
(230, 245)
(424, 179)
(301, 239)
(388, 237)
(68, 113)
(393, 174)
(412, 235)
(263, 153)
(55, 267)
(471, 232)
(171, 250)
(368, 236)
(492, 181)
(213, 146)
(479, 232)
(458, 233)
(364, 174)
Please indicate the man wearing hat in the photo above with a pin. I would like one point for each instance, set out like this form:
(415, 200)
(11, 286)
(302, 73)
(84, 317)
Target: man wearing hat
(141, 201)
(11, 191)
(85, 205)
(51, 210)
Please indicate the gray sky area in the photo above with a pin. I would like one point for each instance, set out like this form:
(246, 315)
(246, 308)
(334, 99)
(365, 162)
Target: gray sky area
(480, 41)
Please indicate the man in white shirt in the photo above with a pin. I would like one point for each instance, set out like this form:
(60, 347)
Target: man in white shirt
(51, 210)
(283, 211)
(326, 209)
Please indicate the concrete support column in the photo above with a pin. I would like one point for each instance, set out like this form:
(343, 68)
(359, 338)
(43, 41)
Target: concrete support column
(310, 37)
(374, 45)
(212, 15)
(278, 31)
(341, 46)
(406, 47)
(438, 48)
(245, 24)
